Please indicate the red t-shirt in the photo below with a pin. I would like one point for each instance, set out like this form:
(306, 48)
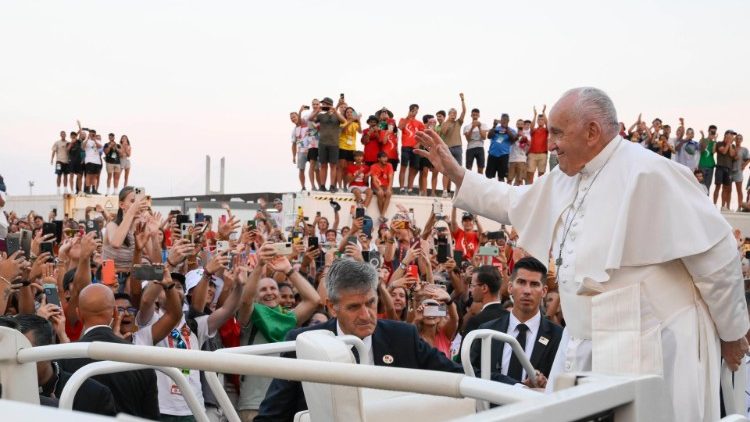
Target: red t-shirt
(408, 135)
(389, 141)
(538, 141)
(360, 180)
(371, 141)
(382, 173)
(468, 243)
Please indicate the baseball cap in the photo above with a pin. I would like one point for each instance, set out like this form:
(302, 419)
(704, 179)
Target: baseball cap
(194, 277)
(327, 100)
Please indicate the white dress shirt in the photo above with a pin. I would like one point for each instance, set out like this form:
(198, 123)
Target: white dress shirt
(364, 360)
(533, 325)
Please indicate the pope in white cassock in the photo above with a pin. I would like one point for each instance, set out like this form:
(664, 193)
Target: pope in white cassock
(648, 270)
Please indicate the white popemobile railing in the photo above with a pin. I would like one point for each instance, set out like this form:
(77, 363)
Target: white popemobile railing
(630, 398)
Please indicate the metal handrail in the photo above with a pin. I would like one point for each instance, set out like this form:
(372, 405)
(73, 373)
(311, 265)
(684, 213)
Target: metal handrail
(487, 336)
(108, 367)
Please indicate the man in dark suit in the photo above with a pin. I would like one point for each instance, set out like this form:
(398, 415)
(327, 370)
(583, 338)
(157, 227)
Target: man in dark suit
(538, 336)
(353, 301)
(92, 396)
(135, 392)
(485, 290)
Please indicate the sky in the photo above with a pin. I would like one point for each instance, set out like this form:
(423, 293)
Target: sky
(185, 78)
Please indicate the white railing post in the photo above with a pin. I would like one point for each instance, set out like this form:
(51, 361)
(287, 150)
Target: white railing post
(19, 381)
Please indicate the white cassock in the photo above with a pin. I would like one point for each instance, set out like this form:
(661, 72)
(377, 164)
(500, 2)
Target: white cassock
(650, 276)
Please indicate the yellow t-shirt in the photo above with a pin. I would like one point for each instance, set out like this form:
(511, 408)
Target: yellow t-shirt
(348, 137)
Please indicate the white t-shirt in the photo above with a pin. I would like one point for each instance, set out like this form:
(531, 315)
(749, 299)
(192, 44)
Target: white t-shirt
(299, 137)
(476, 135)
(92, 153)
(518, 149)
(171, 401)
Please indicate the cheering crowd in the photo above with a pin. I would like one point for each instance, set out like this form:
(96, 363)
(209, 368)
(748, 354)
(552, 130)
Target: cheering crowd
(78, 161)
(325, 150)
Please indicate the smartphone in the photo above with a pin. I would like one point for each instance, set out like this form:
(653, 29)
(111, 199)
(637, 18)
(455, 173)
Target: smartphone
(431, 310)
(359, 212)
(108, 271)
(47, 247)
(58, 230)
(437, 208)
(140, 193)
(412, 271)
(366, 256)
(283, 248)
(252, 224)
(26, 242)
(312, 242)
(186, 231)
(48, 228)
(458, 256)
(69, 232)
(488, 251)
(495, 235)
(341, 95)
(222, 246)
(200, 217)
(182, 219)
(50, 293)
(92, 226)
(352, 239)
(148, 272)
(306, 107)
(442, 250)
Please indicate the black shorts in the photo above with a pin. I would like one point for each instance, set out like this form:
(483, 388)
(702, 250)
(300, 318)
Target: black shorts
(346, 154)
(409, 158)
(92, 168)
(370, 163)
(75, 167)
(723, 176)
(394, 163)
(497, 166)
(312, 154)
(424, 163)
(475, 154)
(61, 168)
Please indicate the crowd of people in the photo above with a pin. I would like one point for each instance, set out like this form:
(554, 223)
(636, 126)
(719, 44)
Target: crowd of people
(179, 281)
(325, 150)
(80, 156)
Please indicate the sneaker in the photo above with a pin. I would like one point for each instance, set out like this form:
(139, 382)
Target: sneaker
(322, 188)
(724, 209)
(333, 189)
(446, 194)
(402, 191)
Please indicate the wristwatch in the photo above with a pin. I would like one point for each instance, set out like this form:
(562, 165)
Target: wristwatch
(402, 266)
(289, 273)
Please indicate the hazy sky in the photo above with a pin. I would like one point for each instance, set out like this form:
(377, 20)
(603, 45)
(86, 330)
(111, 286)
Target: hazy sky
(184, 78)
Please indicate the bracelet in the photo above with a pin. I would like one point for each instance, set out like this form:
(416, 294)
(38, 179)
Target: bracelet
(289, 273)
(402, 266)
(207, 273)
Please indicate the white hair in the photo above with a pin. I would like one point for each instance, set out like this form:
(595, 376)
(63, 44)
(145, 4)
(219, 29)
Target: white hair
(593, 103)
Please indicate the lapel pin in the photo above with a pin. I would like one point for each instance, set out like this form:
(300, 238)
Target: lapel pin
(543, 340)
(387, 359)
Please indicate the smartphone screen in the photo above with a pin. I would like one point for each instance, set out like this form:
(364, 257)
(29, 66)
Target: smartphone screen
(50, 292)
(200, 217)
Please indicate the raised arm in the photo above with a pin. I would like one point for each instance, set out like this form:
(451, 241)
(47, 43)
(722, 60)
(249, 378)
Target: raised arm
(454, 223)
(200, 292)
(533, 120)
(463, 107)
(116, 234)
(221, 315)
(310, 298)
(83, 273)
(173, 308)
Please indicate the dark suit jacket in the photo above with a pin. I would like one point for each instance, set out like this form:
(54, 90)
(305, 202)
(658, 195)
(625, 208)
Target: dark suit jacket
(493, 311)
(542, 356)
(135, 392)
(400, 340)
(92, 397)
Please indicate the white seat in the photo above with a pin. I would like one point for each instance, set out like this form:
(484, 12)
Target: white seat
(350, 404)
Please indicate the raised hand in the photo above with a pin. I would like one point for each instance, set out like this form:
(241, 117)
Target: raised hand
(439, 155)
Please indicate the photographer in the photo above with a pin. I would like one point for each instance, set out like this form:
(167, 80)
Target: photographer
(467, 239)
(112, 158)
(93, 163)
(329, 119)
(119, 241)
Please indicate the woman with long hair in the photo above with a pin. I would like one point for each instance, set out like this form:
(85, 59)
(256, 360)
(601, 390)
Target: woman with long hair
(125, 157)
(437, 325)
(119, 240)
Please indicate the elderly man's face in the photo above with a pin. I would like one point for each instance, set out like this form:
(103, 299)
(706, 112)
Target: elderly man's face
(573, 138)
(356, 312)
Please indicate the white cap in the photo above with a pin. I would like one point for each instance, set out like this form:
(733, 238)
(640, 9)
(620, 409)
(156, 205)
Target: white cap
(194, 277)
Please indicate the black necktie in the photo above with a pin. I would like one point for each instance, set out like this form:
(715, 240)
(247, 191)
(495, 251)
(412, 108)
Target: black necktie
(514, 368)
(356, 354)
